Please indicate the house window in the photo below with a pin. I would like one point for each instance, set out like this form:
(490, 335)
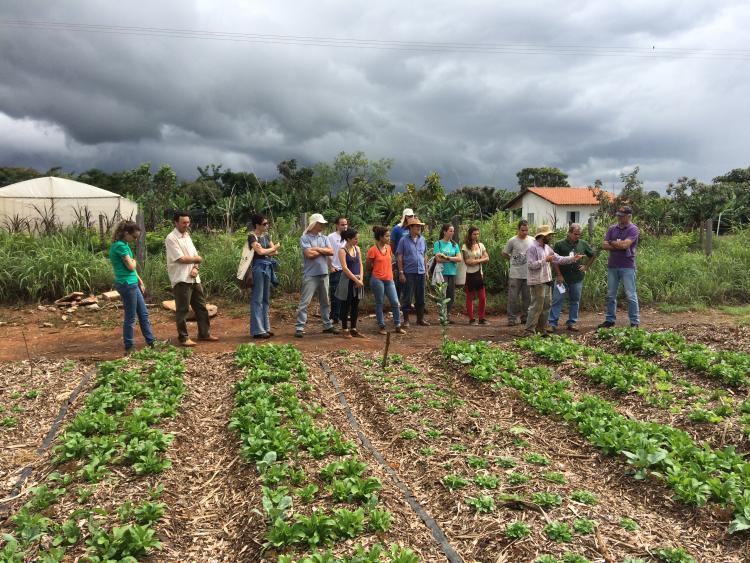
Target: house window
(574, 217)
(530, 219)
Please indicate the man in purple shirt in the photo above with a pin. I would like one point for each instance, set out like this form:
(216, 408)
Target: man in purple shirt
(621, 241)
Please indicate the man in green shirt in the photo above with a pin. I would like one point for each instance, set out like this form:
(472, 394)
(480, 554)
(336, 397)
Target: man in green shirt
(570, 277)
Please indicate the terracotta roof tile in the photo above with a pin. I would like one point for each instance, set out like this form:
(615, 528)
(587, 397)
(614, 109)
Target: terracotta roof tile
(569, 196)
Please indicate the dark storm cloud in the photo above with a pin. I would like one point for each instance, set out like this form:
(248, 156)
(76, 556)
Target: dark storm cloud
(113, 101)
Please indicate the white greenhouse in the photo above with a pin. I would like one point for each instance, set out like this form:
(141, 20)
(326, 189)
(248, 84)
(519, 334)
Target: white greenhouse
(37, 204)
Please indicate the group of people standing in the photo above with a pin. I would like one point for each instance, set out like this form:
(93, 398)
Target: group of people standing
(334, 269)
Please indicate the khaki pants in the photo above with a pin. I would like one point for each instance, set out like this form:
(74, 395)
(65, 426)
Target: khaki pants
(188, 295)
(518, 299)
(541, 301)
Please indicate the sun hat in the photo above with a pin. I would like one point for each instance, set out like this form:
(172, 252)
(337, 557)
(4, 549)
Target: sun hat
(314, 219)
(543, 231)
(624, 210)
(414, 221)
(408, 212)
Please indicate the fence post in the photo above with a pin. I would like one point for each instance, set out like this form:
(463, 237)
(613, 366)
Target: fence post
(592, 225)
(456, 222)
(140, 244)
(101, 232)
(709, 236)
(303, 221)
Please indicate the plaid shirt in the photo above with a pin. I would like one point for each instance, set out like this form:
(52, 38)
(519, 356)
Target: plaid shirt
(539, 269)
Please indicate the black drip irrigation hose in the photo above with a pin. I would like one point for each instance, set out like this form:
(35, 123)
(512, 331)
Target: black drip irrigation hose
(428, 520)
(48, 439)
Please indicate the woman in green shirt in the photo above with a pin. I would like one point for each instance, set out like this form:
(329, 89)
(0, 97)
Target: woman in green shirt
(448, 254)
(129, 284)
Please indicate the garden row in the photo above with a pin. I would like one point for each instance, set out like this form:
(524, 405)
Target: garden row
(696, 473)
(112, 441)
(654, 385)
(316, 492)
(497, 476)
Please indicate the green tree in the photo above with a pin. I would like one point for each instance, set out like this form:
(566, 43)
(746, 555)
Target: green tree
(488, 200)
(544, 176)
(12, 175)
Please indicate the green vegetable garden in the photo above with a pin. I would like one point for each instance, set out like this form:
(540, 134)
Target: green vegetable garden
(619, 445)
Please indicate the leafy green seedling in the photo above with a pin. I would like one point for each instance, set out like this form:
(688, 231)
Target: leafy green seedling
(546, 500)
(453, 482)
(517, 530)
(584, 526)
(558, 532)
(584, 497)
(481, 504)
(629, 524)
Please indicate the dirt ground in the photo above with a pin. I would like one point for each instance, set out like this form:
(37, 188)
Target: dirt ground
(26, 332)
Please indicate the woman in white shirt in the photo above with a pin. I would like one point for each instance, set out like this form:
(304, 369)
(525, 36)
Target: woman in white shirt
(475, 254)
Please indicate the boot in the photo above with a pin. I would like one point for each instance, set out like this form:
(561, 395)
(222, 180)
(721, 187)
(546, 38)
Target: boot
(405, 318)
(420, 316)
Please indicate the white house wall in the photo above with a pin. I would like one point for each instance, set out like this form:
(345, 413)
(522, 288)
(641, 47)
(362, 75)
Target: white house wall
(544, 211)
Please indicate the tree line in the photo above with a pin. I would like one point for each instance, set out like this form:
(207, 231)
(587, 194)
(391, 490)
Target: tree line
(361, 189)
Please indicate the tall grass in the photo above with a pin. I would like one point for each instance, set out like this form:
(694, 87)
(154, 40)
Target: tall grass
(671, 270)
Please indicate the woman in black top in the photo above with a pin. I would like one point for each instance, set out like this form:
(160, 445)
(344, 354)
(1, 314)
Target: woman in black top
(351, 286)
(260, 297)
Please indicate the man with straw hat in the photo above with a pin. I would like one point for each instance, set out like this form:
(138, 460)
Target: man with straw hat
(399, 231)
(539, 256)
(412, 266)
(316, 253)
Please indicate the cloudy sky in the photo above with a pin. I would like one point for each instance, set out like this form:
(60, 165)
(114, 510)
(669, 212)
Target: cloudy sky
(473, 90)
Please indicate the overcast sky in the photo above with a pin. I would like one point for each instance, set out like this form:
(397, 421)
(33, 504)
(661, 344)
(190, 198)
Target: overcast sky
(594, 88)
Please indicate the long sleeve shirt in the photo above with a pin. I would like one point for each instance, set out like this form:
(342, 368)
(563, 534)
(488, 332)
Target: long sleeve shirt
(539, 269)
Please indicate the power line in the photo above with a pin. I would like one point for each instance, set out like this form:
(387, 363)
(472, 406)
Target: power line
(392, 45)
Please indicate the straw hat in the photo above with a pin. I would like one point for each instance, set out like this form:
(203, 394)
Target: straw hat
(543, 231)
(314, 219)
(414, 221)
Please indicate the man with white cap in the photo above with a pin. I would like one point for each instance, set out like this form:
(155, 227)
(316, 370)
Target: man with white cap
(316, 253)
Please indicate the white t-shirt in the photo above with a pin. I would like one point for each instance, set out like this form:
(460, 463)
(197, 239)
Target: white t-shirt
(474, 255)
(179, 245)
(335, 242)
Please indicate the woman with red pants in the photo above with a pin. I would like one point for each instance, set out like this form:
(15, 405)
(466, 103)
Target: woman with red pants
(474, 254)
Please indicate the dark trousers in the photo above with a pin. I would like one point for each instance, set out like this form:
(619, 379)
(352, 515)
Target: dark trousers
(413, 288)
(350, 309)
(188, 295)
(333, 282)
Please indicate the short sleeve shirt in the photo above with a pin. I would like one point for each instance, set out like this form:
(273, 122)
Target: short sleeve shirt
(381, 262)
(265, 242)
(413, 254)
(622, 258)
(317, 266)
(397, 233)
(517, 249)
(449, 249)
(117, 251)
(335, 242)
(572, 272)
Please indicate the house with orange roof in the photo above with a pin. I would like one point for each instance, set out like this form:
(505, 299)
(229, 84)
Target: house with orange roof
(556, 206)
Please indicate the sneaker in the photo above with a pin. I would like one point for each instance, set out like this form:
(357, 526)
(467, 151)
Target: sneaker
(269, 333)
(573, 328)
(263, 336)
(551, 329)
(606, 324)
(356, 334)
(129, 351)
(399, 330)
(299, 333)
(483, 322)
(472, 322)
(331, 330)
(633, 325)
(381, 330)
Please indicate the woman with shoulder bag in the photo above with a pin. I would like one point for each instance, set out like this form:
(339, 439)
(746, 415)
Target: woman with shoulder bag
(448, 255)
(475, 254)
(259, 240)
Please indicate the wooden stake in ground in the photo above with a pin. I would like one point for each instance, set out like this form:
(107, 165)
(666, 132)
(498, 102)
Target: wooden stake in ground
(387, 345)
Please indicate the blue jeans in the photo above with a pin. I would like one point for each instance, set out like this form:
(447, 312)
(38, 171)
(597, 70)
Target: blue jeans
(260, 298)
(333, 282)
(573, 291)
(133, 304)
(627, 276)
(314, 285)
(380, 288)
(414, 287)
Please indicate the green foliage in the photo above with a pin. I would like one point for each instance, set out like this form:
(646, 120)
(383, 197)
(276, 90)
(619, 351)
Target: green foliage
(584, 497)
(546, 500)
(584, 526)
(673, 555)
(629, 524)
(481, 504)
(517, 530)
(453, 482)
(558, 532)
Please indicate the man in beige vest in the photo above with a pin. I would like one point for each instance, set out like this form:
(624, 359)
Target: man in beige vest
(183, 266)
